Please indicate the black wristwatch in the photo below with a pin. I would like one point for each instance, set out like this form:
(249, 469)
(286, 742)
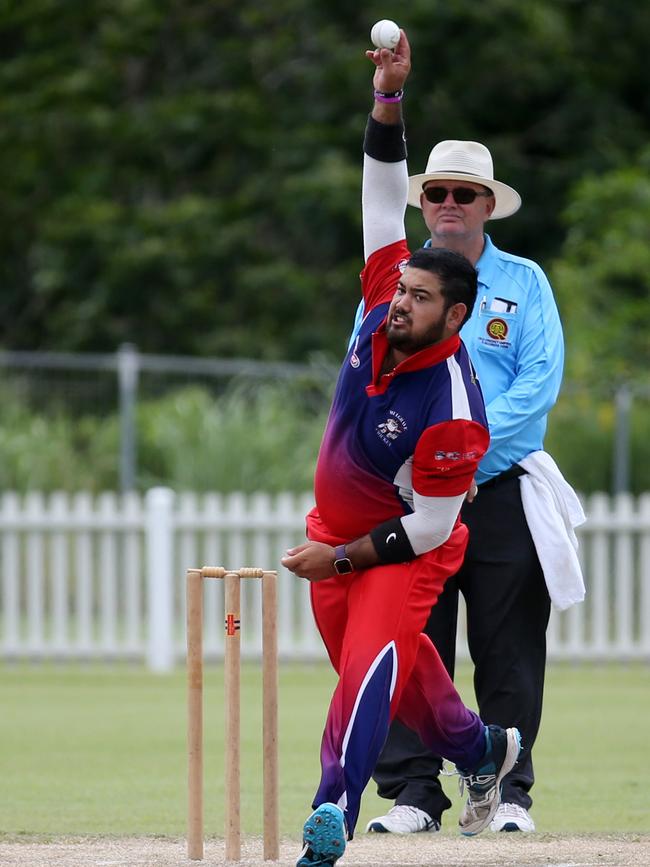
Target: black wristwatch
(342, 564)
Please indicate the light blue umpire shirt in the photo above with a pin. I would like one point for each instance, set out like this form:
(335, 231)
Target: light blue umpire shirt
(514, 339)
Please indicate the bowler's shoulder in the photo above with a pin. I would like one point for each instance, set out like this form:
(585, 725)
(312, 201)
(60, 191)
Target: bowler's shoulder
(382, 271)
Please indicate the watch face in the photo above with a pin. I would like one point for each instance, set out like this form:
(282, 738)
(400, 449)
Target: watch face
(343, 566)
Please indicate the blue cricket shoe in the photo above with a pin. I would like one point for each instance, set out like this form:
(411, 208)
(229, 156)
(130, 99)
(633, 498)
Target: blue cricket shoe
(323, 836)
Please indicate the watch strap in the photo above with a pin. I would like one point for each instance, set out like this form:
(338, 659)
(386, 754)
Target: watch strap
(342, 563)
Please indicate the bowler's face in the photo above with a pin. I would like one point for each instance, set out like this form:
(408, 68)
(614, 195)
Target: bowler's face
(417, 316)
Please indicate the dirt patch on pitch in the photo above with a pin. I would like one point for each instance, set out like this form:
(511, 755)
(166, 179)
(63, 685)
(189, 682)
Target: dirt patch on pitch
(504, 850)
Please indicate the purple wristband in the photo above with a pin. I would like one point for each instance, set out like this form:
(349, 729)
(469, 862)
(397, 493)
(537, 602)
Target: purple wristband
(380, 96)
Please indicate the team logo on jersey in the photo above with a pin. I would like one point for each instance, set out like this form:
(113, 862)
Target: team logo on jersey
(497, 329)
(401, 265)
(390, 429)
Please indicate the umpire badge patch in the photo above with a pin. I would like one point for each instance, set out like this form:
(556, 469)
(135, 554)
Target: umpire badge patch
(497, 329)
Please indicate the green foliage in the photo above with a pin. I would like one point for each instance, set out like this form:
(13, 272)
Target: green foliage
(185, 175)
(581, 435)
(259, 438)
(603, 276)
(265, 440)
(45, 452)
(158, 154)
(248, 439)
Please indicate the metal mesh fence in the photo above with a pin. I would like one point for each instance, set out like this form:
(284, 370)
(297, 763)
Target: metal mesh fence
(100, 395)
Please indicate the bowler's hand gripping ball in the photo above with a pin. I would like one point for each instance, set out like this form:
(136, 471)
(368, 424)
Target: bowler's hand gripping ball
(385, 34)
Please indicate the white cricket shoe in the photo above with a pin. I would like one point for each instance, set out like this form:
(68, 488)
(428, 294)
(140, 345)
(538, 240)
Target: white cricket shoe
(483, 783)
(402, 819)
(512, 817)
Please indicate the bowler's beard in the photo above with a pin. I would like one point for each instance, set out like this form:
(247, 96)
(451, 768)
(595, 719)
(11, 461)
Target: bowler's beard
(410, 344)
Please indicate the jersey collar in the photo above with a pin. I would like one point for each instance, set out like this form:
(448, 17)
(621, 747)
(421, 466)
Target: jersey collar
(428, 357)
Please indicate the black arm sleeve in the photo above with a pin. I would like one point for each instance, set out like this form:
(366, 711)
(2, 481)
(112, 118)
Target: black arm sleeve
(384, 142)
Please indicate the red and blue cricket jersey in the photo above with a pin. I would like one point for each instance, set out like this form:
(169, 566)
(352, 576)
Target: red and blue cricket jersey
(419, 428)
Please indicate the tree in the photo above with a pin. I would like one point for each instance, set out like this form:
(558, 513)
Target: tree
(185, 174)
(603, 276)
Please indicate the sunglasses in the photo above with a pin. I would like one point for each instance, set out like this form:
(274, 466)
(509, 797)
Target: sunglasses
(461, 195)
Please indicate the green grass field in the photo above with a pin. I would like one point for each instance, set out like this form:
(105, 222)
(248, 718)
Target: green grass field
(101, 750)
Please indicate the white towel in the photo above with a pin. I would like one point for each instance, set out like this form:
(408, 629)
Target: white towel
(552, 510)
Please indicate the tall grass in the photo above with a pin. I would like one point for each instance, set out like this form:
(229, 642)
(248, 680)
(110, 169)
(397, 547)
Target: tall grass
(252, 437)
(246, 439)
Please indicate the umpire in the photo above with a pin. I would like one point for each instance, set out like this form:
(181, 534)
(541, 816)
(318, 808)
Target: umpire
(514, 338)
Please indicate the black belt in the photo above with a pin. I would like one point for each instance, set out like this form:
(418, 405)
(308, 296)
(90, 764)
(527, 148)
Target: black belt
(514, 472)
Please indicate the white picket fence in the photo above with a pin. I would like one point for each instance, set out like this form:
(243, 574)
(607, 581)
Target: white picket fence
(85, 578)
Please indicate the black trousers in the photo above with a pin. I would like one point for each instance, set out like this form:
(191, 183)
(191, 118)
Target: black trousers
(508, 608)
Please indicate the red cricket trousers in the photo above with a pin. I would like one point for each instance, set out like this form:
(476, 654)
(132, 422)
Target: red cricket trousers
(371, 622)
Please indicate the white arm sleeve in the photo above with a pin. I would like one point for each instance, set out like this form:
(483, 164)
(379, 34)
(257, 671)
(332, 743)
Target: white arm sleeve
(383, 200)
(432, 521)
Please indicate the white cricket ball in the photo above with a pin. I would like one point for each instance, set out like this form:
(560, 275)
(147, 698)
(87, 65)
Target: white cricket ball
(385, 34)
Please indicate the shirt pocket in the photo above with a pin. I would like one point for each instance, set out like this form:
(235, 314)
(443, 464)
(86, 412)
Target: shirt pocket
(497, 330)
